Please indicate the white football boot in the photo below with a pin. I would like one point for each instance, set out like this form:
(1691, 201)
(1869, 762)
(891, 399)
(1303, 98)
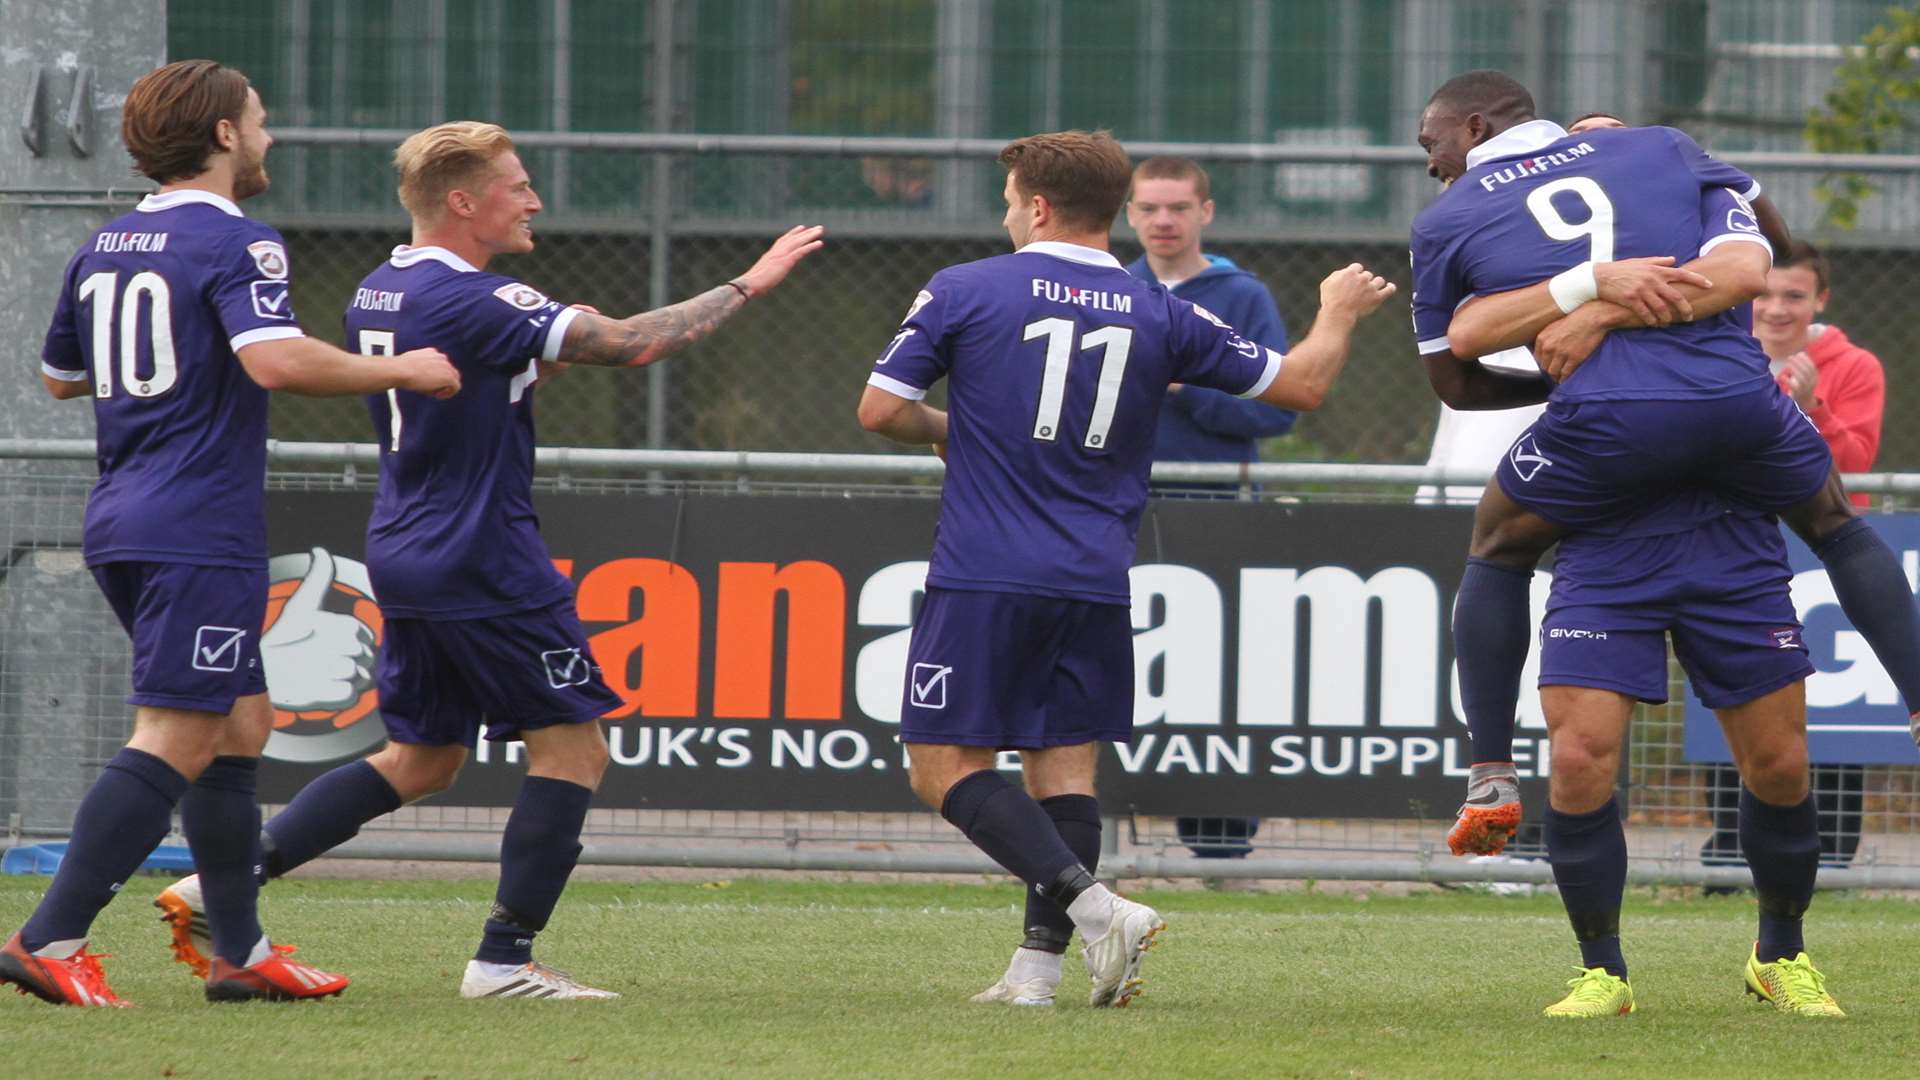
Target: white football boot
(1113, 959)
(529, 980)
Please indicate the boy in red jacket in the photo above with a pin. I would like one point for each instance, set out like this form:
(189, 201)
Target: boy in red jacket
(1839, 385)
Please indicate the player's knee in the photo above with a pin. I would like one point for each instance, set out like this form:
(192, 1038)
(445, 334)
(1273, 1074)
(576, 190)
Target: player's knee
(419, 771)
(929, 785)
(1581, 763)
(1509, 546)
(1777, 773)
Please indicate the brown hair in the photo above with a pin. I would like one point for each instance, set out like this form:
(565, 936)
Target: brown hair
(1584, 117)
(171, 114)
(1176, 168)
(446, 157)
(1083, 174)
(1805, 254)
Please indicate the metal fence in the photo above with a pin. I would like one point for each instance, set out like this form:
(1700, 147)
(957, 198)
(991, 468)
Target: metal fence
(671, 139)
(64, 669)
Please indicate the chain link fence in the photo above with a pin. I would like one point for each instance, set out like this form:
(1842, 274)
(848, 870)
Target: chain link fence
(1305, 112)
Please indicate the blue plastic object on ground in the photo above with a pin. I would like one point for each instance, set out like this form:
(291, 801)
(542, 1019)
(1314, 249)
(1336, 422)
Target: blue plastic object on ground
(45, 859)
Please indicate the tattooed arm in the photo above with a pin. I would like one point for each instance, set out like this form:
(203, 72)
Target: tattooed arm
(653, 335)
(650, 335)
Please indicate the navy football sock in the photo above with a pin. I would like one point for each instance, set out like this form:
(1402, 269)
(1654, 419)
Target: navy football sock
(537, 854)
(1872, 590)
(1491, 632)
(1077, 819)
(123, 817)
(1015, 832)
(1589, 855)
(222, 821)
(1782, 846)
(325, 814)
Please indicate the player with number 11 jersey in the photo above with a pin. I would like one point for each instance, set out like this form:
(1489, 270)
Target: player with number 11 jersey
(1057, 362)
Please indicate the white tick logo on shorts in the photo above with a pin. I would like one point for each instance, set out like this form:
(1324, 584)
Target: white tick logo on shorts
(217, 648)
(1526, 457)
(566, 667)
(928, 685)
(1785, 638)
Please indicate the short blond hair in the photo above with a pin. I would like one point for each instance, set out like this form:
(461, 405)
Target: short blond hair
(446, 157)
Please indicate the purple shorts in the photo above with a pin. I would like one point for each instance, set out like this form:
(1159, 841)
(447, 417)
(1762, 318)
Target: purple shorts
(1600, 466)
(195, 631)
(1017, 672)
(440, 680)
(1721, 590)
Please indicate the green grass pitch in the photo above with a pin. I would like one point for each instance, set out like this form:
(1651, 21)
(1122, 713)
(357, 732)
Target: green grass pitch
(808, 979)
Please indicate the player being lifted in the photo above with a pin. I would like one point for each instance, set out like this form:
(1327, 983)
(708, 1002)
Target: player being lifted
(1674, 431)
(1758, 452)
(1058, 362)
(479, 625)
(175, 319)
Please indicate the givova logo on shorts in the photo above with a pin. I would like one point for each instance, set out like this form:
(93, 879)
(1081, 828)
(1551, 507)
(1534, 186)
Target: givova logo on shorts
(322, 632)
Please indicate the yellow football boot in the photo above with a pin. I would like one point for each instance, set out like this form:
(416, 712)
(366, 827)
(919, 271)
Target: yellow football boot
(1793, 986)
(1594, 993)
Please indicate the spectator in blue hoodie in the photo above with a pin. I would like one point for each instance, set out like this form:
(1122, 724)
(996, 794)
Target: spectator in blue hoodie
(1170, 206)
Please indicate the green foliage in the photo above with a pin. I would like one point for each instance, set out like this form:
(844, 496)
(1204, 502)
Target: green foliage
(793, 979)
(1869, 109)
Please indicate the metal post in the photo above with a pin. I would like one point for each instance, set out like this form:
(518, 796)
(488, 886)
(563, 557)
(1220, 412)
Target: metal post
(1534, 60)
(560, 113)
(659, 254)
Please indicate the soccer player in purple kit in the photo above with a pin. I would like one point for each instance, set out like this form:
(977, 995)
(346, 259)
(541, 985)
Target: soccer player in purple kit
(1058, 362)
(480, 626)
(176, 320)
(1659, 462)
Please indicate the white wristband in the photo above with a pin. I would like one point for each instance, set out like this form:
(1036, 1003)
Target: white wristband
(1571, 288)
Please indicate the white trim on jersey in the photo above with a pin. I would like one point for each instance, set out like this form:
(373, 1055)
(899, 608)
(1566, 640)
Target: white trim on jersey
(1521, 139)
(62, 374)
(1274, 360)
(1079, 253)
(405, 255)
(168, 200)
(896, 387)
(1751, 193)
(1736, 237)
(265, 333)
(1434, 345)
(557, 334)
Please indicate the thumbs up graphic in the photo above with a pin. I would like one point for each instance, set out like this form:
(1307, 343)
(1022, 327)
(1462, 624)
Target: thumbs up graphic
(315, 658)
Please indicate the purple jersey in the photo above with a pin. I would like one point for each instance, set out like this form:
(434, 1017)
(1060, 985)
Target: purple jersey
(453, 533)
(152, 311)
(1535, 201)
(1057, 362)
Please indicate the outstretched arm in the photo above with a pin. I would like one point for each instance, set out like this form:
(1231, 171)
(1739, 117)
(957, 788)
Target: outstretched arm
(592, 338)
(1308, 372)
(313, 368)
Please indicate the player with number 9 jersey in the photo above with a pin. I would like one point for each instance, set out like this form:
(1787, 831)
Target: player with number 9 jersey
(1534, 204)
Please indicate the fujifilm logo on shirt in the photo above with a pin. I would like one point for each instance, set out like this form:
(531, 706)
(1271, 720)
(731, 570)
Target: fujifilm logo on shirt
(1055, 292)
(1533, 166)
(377, 299)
